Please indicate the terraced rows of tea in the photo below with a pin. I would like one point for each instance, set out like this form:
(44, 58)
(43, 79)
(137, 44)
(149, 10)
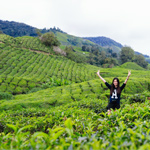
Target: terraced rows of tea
(36, 121)
(21, 70)
(68, 108)
(27, 42)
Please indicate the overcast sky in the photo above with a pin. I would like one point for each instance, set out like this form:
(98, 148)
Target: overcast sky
(125, 21)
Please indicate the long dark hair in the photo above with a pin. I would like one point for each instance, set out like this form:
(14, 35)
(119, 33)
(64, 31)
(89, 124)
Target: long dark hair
(113, 86)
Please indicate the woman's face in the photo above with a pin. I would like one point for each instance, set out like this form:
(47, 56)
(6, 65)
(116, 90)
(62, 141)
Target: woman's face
(115, 83)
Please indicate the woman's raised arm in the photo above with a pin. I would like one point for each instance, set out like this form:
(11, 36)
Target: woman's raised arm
(98, 73)
(129, 73)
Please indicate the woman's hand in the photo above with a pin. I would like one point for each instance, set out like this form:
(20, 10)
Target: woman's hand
(98, 73)
(129, 73)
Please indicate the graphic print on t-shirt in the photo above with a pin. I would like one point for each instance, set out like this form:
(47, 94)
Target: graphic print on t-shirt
(114, 94)
(115, 97)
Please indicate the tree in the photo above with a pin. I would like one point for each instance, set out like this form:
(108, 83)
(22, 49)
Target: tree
(73, 41)
(91, 59)
(111, 61)
(38, 32)
(103, 54)
(74, 56)
(140, 60)
(114, 55)
(110, 50)
(49, 39)
(83, 48)
(88, 48)
(96, 52)
(127, 54)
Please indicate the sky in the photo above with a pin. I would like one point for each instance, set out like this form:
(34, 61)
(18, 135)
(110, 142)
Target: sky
(125, 21)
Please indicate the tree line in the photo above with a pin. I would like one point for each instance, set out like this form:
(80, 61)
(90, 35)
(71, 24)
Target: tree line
(16, 29)
(128, 55)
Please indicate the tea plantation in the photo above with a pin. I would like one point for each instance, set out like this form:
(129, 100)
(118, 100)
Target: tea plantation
(51, 102)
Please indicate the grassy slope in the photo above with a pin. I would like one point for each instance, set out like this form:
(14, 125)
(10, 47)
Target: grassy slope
(77, 110)
(131, 65)
(74, 115)
(75, 42)
(56, 96)
(138, 82)
(22, 69)
(63, 38)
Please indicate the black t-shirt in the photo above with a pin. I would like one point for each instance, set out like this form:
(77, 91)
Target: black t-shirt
(115, 97)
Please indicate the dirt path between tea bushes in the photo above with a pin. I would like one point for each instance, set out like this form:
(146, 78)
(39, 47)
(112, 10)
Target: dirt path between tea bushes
(45, 53)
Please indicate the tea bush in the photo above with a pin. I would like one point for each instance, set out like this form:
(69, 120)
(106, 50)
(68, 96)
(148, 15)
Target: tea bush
(65, 107)
(4, 95)
(75, 125)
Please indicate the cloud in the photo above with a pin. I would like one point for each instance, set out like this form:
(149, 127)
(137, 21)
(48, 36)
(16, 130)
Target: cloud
(126, 22)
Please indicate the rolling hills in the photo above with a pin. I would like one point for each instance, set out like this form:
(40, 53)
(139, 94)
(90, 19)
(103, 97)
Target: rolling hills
(17, 29)
(105, 42)
(131, 65)
(60, 104)
(21, 68)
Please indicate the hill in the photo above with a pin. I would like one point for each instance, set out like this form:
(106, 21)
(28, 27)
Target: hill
(16, 29)
(60, 104)
(131, 65)
(104, 41)
(109, 43)
(146, 56)
(67, 39)
(27, 65)
(22, 68)
(76, 122)
(64, 94)
(58, 116)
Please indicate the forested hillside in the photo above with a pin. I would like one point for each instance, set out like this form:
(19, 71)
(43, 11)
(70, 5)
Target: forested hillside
(104, 41)
(16, 29)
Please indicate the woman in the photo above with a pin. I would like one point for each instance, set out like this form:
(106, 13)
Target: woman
(115, 91)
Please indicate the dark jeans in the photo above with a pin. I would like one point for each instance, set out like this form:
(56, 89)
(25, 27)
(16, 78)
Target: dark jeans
(113, 105)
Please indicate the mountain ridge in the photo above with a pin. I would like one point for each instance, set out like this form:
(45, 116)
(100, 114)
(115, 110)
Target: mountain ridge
(104, 41)
(17, 29)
